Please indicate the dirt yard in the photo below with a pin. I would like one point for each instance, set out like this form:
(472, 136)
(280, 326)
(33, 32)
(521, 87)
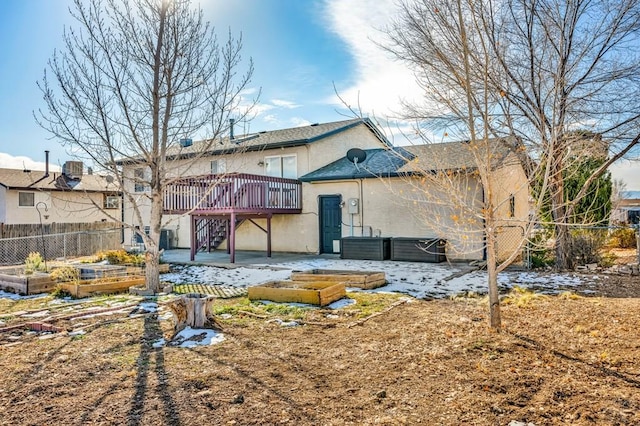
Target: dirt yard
(559, 360)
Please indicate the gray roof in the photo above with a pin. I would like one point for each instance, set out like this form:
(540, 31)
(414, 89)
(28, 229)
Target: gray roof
(454, 155)
(379, 162)
(409, 160)
(294, 136)
(36, 180)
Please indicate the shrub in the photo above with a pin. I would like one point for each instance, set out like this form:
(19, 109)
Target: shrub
(34, 262)
(585, 247)
(65, 274)
(121, 257)
(623, 238)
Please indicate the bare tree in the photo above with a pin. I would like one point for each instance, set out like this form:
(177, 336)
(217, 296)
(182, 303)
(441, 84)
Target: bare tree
(530, 72)
(565, 65)
(133, 80)
(443, 43)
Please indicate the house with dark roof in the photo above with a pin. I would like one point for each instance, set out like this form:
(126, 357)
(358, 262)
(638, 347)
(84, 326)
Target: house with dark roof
(70, 196)
(304, 189)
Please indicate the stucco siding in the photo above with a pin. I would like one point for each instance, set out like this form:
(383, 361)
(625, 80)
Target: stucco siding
(62, 207)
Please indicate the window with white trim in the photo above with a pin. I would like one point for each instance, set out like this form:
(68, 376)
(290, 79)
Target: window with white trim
(285, 166)
(26, 199)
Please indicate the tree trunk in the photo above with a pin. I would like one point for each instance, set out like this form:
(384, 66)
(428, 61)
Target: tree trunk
(495, 319)
(193, 310)
(152, 257)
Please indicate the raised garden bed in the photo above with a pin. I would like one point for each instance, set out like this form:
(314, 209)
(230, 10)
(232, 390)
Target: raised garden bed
(102, 286)
(365, 248)
(312, 292)
(360, 279)
(14, 280)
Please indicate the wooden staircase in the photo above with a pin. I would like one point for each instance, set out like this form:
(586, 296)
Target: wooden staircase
(218, 204)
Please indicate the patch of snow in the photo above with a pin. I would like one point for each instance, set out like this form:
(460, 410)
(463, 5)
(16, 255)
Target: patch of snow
(147, 307)
(77, 333)
(284, 323)
(13, 296)
(342, 303)
(416, 279)
(237, 277)
(191, 337)
(159, 343)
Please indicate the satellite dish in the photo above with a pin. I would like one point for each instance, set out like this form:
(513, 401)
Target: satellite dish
(356, 155)
(109, 178)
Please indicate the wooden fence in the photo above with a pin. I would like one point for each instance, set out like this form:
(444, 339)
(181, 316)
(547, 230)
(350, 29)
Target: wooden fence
(33, 230)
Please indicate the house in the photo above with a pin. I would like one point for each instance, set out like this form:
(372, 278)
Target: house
(303, 189)
(70, 196)
(627, 208)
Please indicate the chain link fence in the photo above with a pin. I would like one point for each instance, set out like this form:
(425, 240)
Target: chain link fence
(14, 251)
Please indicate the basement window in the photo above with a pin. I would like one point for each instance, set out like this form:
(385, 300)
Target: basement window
(26, 199)
(111, 201)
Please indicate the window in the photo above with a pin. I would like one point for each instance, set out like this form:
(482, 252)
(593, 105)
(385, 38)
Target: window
(285, 166)
(111, 201)
(26, 199)
(218, 166)
(512, 205)
(139, 180)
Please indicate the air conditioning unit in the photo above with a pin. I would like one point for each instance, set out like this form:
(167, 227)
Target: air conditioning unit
(72, 169)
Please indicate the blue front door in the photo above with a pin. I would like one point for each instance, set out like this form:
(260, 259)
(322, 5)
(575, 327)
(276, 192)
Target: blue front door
(330, 222)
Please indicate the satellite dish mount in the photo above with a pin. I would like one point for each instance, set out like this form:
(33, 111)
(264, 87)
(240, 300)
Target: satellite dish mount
(356, 155)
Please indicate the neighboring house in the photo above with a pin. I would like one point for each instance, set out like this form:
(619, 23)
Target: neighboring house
(627, 208)
(297, 192)
(69, 196)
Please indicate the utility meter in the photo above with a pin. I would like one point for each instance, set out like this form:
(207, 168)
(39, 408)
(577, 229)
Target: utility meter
(353, 205)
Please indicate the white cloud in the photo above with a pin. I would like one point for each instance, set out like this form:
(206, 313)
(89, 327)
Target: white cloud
(627, 171)
(285, 104)
(8, 161)
(380, 81)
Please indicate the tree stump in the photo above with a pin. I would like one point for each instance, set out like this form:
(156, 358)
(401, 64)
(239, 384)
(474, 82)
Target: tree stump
(193, 310)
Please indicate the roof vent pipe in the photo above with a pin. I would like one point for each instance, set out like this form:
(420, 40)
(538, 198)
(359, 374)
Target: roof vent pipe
(231, 123)
(46, 163)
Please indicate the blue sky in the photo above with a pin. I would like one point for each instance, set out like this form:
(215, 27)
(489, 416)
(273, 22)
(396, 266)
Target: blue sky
(300, 49)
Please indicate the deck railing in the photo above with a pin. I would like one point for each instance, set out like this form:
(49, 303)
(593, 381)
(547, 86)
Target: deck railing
(237, 192)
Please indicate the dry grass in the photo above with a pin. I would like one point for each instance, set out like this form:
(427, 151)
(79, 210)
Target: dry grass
(559, 360)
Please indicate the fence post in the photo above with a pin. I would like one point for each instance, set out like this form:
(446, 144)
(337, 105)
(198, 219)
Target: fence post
(638, 242)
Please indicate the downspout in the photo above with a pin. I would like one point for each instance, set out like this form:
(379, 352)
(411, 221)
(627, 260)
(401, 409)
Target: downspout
(361, 210)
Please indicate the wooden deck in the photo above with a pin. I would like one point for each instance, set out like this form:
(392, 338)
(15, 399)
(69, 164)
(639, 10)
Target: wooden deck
(218, 204)
(233, 192)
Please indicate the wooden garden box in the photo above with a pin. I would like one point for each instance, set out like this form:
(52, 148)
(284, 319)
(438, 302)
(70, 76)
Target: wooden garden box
(365, 248)
(360, 279)
(312, 292)
(13, 280)
(104, 286)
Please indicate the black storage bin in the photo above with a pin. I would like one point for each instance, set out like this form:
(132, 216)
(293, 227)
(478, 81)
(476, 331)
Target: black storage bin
(365, 248)
(418, 249)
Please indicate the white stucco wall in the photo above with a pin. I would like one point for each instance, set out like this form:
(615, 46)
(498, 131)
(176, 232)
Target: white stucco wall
(62, 207)
(3, 204)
